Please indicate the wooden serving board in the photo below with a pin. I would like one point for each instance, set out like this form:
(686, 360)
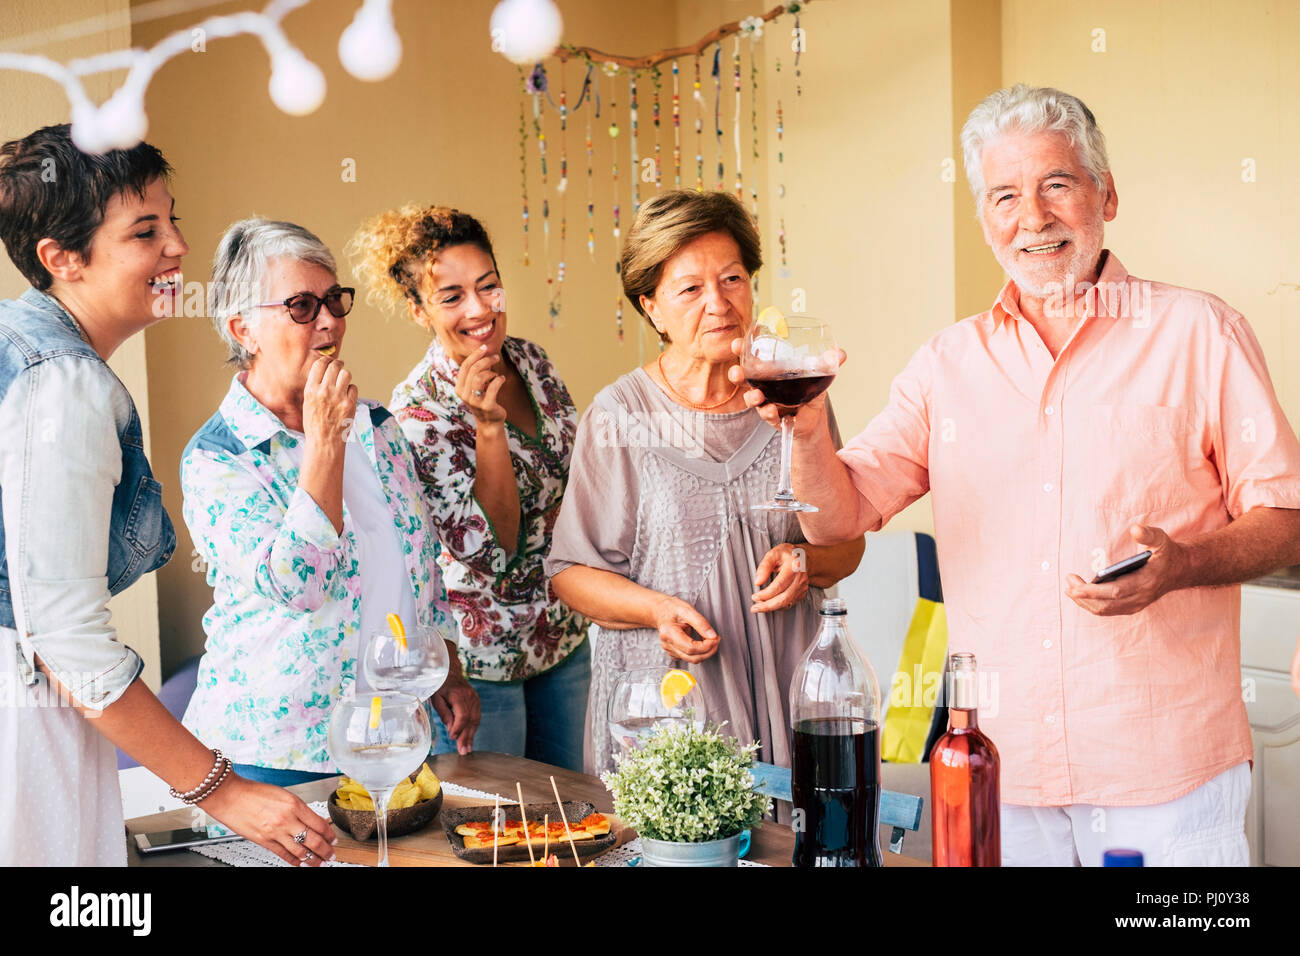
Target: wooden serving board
(429, 847)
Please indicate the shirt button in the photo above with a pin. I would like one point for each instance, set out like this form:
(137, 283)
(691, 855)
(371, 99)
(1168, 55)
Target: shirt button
(1049, 410)
(1047, 565)
(1047, 487)
(1051, 718)
(1047, 643)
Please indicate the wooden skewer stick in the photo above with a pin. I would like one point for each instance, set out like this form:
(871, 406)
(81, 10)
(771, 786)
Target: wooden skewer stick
(496, 822)
(546, 849)
(565, 818)
(524, 817)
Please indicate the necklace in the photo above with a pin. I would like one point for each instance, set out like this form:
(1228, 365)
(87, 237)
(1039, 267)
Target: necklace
(679, 395)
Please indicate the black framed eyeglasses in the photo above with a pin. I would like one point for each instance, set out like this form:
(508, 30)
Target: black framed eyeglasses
(305, 306)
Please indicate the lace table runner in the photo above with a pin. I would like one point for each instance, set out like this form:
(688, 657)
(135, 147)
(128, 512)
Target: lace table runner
(247, 853)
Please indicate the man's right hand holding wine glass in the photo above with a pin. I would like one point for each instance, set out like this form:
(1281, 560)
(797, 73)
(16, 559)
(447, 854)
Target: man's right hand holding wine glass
(818, 476)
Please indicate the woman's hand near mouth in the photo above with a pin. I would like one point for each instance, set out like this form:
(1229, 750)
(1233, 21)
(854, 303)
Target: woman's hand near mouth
(329, 404)
(479, 383)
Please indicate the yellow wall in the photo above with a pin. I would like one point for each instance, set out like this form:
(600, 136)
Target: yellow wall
(1186, 93)
(31, 102)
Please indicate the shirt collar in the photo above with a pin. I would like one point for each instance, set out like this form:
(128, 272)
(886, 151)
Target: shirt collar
(53, 307)
(251, 421)
(1007, 304)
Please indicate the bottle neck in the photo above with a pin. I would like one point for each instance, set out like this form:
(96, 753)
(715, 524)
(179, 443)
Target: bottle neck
(959, 718)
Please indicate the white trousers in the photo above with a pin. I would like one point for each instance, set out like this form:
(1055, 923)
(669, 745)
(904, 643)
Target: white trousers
(1206, 827)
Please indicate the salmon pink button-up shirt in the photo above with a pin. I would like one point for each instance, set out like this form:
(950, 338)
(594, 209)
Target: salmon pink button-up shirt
(1159, 411)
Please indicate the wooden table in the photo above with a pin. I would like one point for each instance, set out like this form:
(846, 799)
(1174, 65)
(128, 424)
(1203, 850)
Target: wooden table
(494, 773)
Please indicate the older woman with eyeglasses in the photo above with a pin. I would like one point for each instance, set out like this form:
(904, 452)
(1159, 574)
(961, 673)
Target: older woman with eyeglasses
(306, 505)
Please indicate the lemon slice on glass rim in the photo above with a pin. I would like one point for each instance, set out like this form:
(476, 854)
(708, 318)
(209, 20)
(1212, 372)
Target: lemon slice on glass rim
(399, 631)
(674, 688)
(772, 319)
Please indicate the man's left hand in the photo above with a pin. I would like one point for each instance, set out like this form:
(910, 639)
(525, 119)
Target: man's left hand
(1164, 572)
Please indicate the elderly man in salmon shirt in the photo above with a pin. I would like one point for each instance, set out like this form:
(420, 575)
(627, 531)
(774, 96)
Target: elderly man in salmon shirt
(1087, 416)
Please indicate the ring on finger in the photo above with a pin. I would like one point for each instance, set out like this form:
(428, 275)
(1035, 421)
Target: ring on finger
(478, 393)
(300, 838)
(310, 856)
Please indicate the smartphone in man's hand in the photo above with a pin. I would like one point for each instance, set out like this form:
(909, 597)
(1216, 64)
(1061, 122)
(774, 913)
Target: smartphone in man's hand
(1121, 568)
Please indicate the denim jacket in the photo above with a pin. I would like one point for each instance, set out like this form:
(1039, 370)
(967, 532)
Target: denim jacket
(82, 514)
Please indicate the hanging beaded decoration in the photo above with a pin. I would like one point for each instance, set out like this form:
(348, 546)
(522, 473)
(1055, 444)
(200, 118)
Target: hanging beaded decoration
(658, 80)
(735, 119)
(798, 48)
(591, 203)
(611, 70)
(717, 111)
(677, 131)
(560, 189)
(780, 185)
(753, 125)
(699, 129)
(635, 171)
(538, 87)
(523, 160)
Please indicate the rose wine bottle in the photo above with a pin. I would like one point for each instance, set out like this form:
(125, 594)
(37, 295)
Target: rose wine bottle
(835, 772)
(964, 786)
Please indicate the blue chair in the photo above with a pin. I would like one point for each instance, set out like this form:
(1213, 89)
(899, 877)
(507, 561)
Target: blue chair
(899, 811)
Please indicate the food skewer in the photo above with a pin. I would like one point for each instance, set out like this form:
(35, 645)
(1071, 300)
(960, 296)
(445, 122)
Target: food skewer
(565, 818)
(496, 822)
(546, 847)
(519, 791)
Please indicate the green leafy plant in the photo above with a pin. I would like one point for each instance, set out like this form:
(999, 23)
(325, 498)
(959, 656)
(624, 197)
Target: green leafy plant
(687, 785)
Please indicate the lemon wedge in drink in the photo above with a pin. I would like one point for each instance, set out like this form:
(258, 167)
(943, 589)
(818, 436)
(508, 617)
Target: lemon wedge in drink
(674, 687)
(399, 632)
(376, 704)
(772, 319)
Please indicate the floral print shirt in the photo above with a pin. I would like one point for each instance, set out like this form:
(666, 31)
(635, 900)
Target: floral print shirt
(512, 625)
(283, 629)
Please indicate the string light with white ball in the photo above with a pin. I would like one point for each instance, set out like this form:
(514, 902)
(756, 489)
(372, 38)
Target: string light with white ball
(370, 49)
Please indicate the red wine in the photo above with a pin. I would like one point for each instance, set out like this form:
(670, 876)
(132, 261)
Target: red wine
(965, 789)
(836, 784)
(793, 388)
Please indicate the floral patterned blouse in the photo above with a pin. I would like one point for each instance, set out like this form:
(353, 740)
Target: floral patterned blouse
(512, 625)
(283, 629)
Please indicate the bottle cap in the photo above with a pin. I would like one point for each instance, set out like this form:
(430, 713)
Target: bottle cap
(833, 606)
(1122, 858)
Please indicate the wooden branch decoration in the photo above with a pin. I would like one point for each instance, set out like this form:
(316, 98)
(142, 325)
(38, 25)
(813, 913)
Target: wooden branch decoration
(566, 53)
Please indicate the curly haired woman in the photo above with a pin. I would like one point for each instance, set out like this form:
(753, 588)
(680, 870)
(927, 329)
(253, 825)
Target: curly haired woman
(492, 426)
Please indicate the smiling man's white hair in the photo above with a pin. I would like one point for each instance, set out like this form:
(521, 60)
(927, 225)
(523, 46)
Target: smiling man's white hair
(1032, 109)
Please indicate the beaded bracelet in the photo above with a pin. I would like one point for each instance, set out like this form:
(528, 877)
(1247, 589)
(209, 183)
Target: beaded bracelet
(216, 783)
(188, 796)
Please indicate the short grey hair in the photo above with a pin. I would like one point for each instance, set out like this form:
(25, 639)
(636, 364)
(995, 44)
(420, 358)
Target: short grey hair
(1032, 109)
(239, 271)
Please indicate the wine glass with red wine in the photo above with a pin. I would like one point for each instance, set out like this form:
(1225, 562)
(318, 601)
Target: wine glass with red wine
(791, 361)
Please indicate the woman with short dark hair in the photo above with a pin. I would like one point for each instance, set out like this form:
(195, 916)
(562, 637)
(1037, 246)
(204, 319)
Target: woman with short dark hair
(83, 516)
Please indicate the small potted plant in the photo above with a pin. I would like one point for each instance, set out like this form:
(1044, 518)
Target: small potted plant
(689, 795)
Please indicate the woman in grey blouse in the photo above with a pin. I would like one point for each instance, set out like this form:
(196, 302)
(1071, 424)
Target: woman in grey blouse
(656, 540)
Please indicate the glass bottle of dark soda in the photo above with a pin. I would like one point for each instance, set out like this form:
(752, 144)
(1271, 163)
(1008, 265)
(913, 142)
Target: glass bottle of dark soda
(834, 707)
